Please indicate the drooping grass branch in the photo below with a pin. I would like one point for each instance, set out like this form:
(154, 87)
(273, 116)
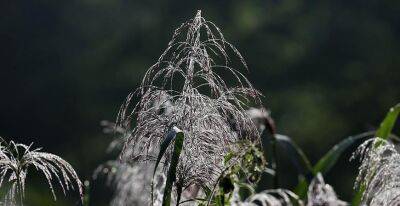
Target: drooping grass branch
(16, 159)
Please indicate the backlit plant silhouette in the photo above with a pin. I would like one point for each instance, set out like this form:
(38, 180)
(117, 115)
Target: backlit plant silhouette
(185, 89)
(16, 159)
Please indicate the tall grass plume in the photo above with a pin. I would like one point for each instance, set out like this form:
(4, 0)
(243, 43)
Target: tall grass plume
(16, 159)
(185, 89)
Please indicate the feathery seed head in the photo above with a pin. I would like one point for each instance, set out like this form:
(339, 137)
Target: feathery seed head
(131, 183)
(379, 172)
(273, 197)
(185, 89)
(321, 194)
(16, 159)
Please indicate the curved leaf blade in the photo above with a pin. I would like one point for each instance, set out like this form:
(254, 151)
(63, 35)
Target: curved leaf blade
(171, 135)
(297, 156)
(163, 147)
(356, 201)
(171, 176)
(301, 188)
(330, 158)
(325, 164)
(388, 123)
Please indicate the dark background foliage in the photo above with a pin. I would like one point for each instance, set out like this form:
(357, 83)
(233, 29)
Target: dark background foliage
(328, 69)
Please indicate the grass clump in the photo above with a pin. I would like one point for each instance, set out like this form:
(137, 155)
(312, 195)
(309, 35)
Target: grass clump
(197, 141)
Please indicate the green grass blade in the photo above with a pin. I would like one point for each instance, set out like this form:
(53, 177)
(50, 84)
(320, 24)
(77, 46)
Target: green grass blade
(358, 196)
(330, 158)
(86, 197)
(296, 155)
(171, 176)
(301, 188)
(388, 123)
(163, 147)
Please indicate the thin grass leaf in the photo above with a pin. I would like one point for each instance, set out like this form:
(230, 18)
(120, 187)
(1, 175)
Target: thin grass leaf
(171, 177)
(299, 159)
(388, 123)
(296, 154)
(325, 164)
(86, 196)
(330, 158)
(302, 187)
(356, 201)
(163, 148)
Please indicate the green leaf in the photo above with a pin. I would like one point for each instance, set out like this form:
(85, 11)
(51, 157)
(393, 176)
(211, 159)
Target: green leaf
(206, 190)
(219, 199)
(245, 190)
(171, 176)
(388, 123)
(296, 155)
(171, 135)
(228, 157)
(358, 196)
(163, 147)
(331, 157)
(329, 160)
(86, 197)
(302, 187)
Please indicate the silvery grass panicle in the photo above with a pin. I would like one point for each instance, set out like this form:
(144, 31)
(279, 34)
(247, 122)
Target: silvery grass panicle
(321, 194)
(130, 182)
(118, 133)
(185, 89)
(16, 159)
(272, 197)
(379, 172)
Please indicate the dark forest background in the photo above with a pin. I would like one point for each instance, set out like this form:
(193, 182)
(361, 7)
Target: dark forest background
(328, 69)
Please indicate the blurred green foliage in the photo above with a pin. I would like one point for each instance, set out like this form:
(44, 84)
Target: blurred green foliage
(328, 69)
